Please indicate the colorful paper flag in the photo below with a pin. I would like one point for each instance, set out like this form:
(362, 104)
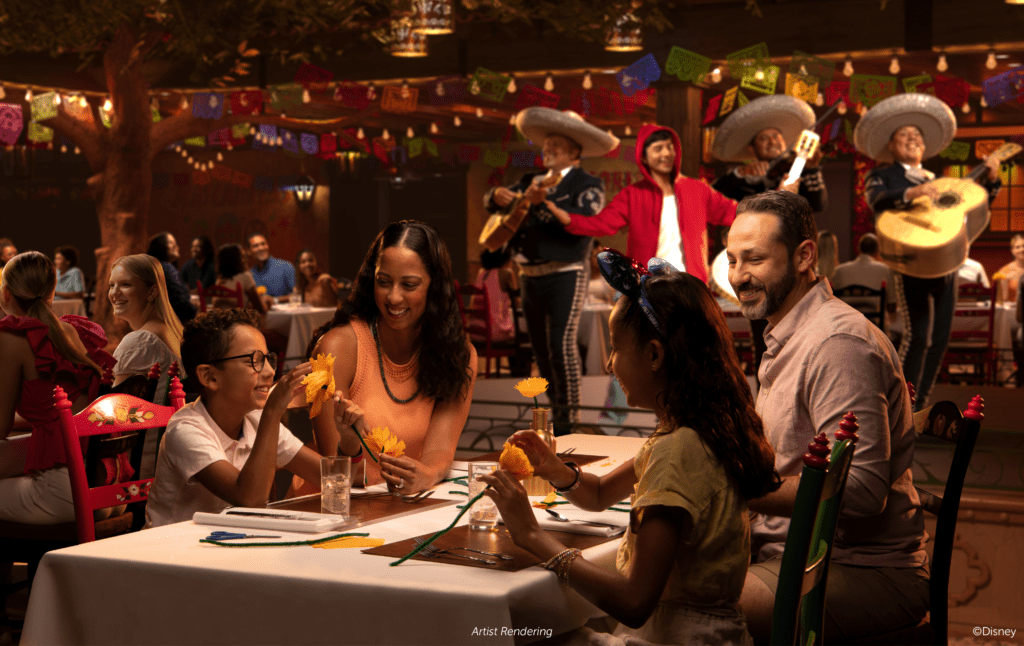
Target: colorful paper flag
(523, 158)
(747, 60)
(496, 157)
(353, 95)
(802, 87)
(453, 90)
(686, 65)
(838, 91)
(804, 64)
(953, 91)
(39, 134)
(468, 153)
(766, 84)
(869, 89)
(198, 141)
(243, 180)
(910, 83)
(11, 123)
(956, 151)
(309, 143)
(985, 147)
(44, 106)
(249, 102)
(415, 146)
(712, 110)
(266, 138)
(328, 144)
(283, 97)
(289, 141)
(489, 85)
(639, 75)
(531, 95)
(312, 77)
(221, 173)
(398, 100)
(728, 100)
(207, 105)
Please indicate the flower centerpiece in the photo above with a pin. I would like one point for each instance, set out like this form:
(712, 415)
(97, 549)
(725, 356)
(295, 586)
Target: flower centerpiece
(533, 387)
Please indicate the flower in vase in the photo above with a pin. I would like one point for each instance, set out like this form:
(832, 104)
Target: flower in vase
(513, 459)
(319, 383)
(383, 441)
(532, 387)
(261, 289)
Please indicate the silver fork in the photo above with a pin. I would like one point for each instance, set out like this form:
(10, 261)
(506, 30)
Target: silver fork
(432, 551)
(416, 497)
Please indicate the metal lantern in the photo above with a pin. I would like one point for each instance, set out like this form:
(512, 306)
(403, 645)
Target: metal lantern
(433, 17)
(625, 35)
(405, 41)
(305, 189)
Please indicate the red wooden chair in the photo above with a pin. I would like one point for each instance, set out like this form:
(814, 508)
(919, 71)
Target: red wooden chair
(972, 348)
(475, 305)
(219, 291)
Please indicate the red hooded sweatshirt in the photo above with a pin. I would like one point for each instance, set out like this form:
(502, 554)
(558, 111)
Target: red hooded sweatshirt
(639, 207)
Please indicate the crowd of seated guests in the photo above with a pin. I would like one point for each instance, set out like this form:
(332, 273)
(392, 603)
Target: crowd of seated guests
(164, 248)
(201, 268)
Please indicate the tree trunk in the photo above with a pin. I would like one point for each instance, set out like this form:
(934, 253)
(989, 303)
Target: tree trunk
(123, 187)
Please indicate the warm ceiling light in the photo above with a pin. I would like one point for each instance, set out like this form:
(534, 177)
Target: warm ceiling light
(991, 61)
(848, 67)
(894, 65)
(942, 65)
(433, 17)
(405, 42)
(625, 35)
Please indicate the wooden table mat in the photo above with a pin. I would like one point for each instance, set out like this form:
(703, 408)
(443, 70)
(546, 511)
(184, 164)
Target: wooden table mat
(490, 541)
(578, 458)
(366, 509)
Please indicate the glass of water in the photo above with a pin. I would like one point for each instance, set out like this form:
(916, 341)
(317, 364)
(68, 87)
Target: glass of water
(483, 514)
(335, 484)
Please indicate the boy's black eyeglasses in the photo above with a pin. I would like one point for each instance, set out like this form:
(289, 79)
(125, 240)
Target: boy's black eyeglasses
(256, 359)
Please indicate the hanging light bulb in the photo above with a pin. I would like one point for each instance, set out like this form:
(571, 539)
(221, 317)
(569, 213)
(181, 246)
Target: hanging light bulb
(983, 103)
(942, 65)
(404, 92)
(210, 164)
(965, 108)
(197, 166)
(610, 133)
(820, 99)
(716, 75)
(587, 81)
(28, 95)
(628, 131)
(252, 130)
(305, 96)
(108, 105)
(433, 128)
(190, 160)
(439, 88)
(474, 87)
(842, 107)
(479, 113)
(220, 156)
(991, 61)
(283, 115)
(184, 102)
(759, 75)
(63, 148)
(512, 120)
(848, 67)
(457, 121)
(280, 141)
(371, 92)
(360, 134)
(78, 151)
(894, 65)
(56, 99)
(177, 149)
(2, 93)
(230, 147)
(184, 153)
(512, 85)
(409, 132)
(81, 101)
(385, 134)
(549, 83)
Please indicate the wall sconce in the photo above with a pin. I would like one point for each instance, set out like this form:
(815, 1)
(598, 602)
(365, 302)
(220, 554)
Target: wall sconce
(433, 17)
(625, 35)
(305, 189)
(405, 41)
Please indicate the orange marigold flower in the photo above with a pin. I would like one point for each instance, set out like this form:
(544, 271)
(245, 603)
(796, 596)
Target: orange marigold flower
(513, 459)
(319, 383)
(382, 441)
(532, 387)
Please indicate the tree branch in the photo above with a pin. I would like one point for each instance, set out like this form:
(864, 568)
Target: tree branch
(83, 134)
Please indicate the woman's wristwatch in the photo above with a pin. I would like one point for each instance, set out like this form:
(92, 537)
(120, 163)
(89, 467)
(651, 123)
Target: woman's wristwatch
(576, 481)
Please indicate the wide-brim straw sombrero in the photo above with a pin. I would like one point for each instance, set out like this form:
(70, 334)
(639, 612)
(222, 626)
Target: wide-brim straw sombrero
(536, 123)
(931, 116)
(788, 114)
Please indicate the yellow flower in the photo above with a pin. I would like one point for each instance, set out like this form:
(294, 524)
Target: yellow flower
(121, 414)
(532, 387)
(513, 459)
(383, 441)
(998, 276)
(261, 289)
(319, 383)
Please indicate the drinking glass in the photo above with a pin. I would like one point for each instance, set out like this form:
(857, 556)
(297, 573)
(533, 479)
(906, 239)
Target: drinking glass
(335, 484)
(483, 514)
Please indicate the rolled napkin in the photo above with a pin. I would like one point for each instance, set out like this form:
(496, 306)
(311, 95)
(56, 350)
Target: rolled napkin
(272, 519)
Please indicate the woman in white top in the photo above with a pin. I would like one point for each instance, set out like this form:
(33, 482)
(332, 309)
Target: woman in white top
(138, 295)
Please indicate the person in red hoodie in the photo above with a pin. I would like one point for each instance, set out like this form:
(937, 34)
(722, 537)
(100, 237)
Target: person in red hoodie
(667, 214)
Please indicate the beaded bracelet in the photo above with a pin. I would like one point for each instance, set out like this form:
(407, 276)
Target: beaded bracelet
(575, 483)
(355, 458)
(547, 565)
(561, 562)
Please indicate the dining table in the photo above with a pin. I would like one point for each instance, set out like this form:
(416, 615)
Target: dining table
(297, 321)
(65, 306)
(164, 586)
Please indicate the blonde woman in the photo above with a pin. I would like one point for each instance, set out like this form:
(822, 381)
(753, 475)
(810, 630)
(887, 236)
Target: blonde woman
(828, 254)
(41, 351)
(138, 295)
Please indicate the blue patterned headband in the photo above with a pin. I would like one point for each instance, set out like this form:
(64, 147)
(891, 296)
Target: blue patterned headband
(630, 277)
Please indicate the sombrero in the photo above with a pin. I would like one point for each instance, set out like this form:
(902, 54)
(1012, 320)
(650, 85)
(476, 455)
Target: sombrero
(788, 114)
(931, 115)
(537, 123)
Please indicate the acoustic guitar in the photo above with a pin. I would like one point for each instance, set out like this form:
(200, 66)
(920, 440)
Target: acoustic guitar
(930, 239)
(501, 226)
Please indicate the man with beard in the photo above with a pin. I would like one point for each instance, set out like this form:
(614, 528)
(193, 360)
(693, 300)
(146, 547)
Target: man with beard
(907, 129)
(824, 359)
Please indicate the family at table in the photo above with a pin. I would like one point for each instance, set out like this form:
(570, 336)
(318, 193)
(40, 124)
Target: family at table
(712, 486)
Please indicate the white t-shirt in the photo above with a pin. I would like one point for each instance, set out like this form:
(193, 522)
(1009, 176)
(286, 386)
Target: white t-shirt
(136, 354)
(193, 441)
(670, 241)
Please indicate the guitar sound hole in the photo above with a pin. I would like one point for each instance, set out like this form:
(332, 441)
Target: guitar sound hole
(946, 200)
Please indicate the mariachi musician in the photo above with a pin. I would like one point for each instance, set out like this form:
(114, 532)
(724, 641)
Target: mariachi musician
(554, 264)
(904, 130)
(760, 133)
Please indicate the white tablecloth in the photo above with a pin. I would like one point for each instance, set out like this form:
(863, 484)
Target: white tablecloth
(297, 322)
(65, 306)
(594, 338)
(162, 586)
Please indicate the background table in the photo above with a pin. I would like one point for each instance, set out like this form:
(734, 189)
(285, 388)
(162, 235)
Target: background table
(162, 586)
(65, 306)
(594, 338)
(296, 321)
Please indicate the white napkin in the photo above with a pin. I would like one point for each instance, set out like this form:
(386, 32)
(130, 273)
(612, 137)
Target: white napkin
(547, 521)
(276, 519)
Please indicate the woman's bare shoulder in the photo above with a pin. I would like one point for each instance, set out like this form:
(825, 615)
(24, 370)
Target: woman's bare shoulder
(338, 340)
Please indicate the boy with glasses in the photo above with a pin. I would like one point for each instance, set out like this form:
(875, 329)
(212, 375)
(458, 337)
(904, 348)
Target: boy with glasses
(223, 449)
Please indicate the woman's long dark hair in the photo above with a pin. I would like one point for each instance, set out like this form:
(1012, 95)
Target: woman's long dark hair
(229, 260)
(158, 246)
(205, 248)
(444, 371)
(301, 283)
(706, 390)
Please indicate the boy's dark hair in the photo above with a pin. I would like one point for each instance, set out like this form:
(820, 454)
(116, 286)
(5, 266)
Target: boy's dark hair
(796, 220)
(207, 338)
